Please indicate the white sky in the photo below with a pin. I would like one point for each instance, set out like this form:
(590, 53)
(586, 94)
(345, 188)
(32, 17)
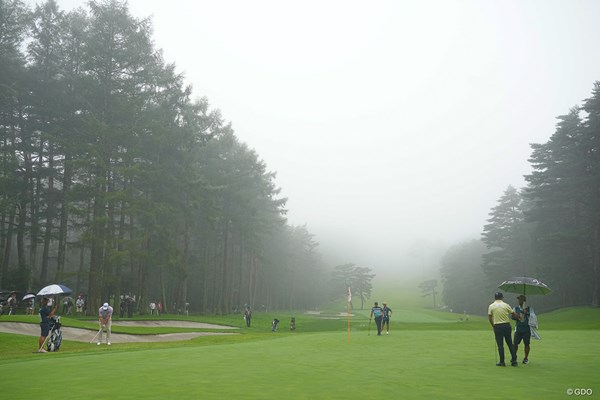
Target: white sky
(387, 122)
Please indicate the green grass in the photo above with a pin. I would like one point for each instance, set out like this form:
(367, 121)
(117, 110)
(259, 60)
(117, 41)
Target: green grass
(572, 318)
(429, 354)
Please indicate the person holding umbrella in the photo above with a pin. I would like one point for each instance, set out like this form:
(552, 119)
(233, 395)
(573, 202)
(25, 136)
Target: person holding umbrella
(105, 316)
(499, 314)
(45, 314)
(522, 331)
(12, 303)
(30, 299)
(526, 318)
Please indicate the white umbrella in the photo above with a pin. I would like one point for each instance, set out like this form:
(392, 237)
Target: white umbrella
(54, 289)
(28, 296)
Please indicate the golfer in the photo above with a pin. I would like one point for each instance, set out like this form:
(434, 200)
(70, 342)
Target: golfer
(45, 314)
(387, 314)
(105, 317)
(378, 313)
(499, 314)
(522, 331)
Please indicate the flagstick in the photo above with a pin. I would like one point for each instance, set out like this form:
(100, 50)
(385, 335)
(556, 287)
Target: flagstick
(349, 300)
(348, 322)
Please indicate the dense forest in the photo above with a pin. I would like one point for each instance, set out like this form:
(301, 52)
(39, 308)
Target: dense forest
(114, 181)
(549, 229)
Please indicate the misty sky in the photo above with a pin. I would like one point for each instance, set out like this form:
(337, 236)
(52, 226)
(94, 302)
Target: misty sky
(387, 122)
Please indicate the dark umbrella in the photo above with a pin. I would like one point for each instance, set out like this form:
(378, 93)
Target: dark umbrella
(525, 286)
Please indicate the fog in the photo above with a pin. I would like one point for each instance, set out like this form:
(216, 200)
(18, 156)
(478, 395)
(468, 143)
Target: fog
(393, 126)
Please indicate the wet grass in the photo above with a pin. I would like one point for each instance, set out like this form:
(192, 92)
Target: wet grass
(429, 354)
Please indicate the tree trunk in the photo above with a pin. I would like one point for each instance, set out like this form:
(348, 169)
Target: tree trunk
(50, 205)
(34, 211)
(8, 243)
(98, 248)
(119, 267)
(183, 285)
(81, 272)
(21, 261)
(596, 268)
(64, 216)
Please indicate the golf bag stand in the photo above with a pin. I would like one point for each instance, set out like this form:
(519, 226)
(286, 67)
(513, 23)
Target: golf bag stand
(54, 338)
(275, 325)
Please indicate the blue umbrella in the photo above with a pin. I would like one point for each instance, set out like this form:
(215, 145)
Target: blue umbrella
(54, 289)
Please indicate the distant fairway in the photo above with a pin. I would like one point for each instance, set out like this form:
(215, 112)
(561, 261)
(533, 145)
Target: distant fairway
(426, 356)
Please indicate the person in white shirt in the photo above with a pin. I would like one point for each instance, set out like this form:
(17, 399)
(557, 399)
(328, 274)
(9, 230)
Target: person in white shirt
(105, 318)
(79, 303)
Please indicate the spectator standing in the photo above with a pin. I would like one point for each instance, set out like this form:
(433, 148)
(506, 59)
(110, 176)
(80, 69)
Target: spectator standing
(12, 304)
(79, 303)
(247, 315)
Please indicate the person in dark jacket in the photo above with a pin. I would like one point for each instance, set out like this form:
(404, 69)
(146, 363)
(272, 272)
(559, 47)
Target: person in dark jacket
(45, 314)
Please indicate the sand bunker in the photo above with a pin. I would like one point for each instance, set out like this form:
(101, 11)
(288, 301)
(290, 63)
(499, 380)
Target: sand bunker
(86, 335)
(173, 324)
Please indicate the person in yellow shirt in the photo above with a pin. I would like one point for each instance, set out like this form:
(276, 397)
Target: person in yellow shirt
(499, 315)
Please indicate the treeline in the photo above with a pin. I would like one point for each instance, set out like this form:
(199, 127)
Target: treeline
(549, 229)
(115, 182)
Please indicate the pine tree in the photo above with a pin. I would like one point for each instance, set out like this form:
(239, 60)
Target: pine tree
(507, 236)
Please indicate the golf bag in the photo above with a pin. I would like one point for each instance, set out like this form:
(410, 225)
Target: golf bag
(293, 324)
(55, 336)
(275, 325)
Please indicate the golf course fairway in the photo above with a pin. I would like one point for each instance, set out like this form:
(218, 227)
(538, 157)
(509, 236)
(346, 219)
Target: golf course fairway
(439, 358)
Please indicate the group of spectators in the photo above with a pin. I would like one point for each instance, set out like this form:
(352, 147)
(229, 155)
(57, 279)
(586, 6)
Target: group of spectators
(157, 308)
(10, 305)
